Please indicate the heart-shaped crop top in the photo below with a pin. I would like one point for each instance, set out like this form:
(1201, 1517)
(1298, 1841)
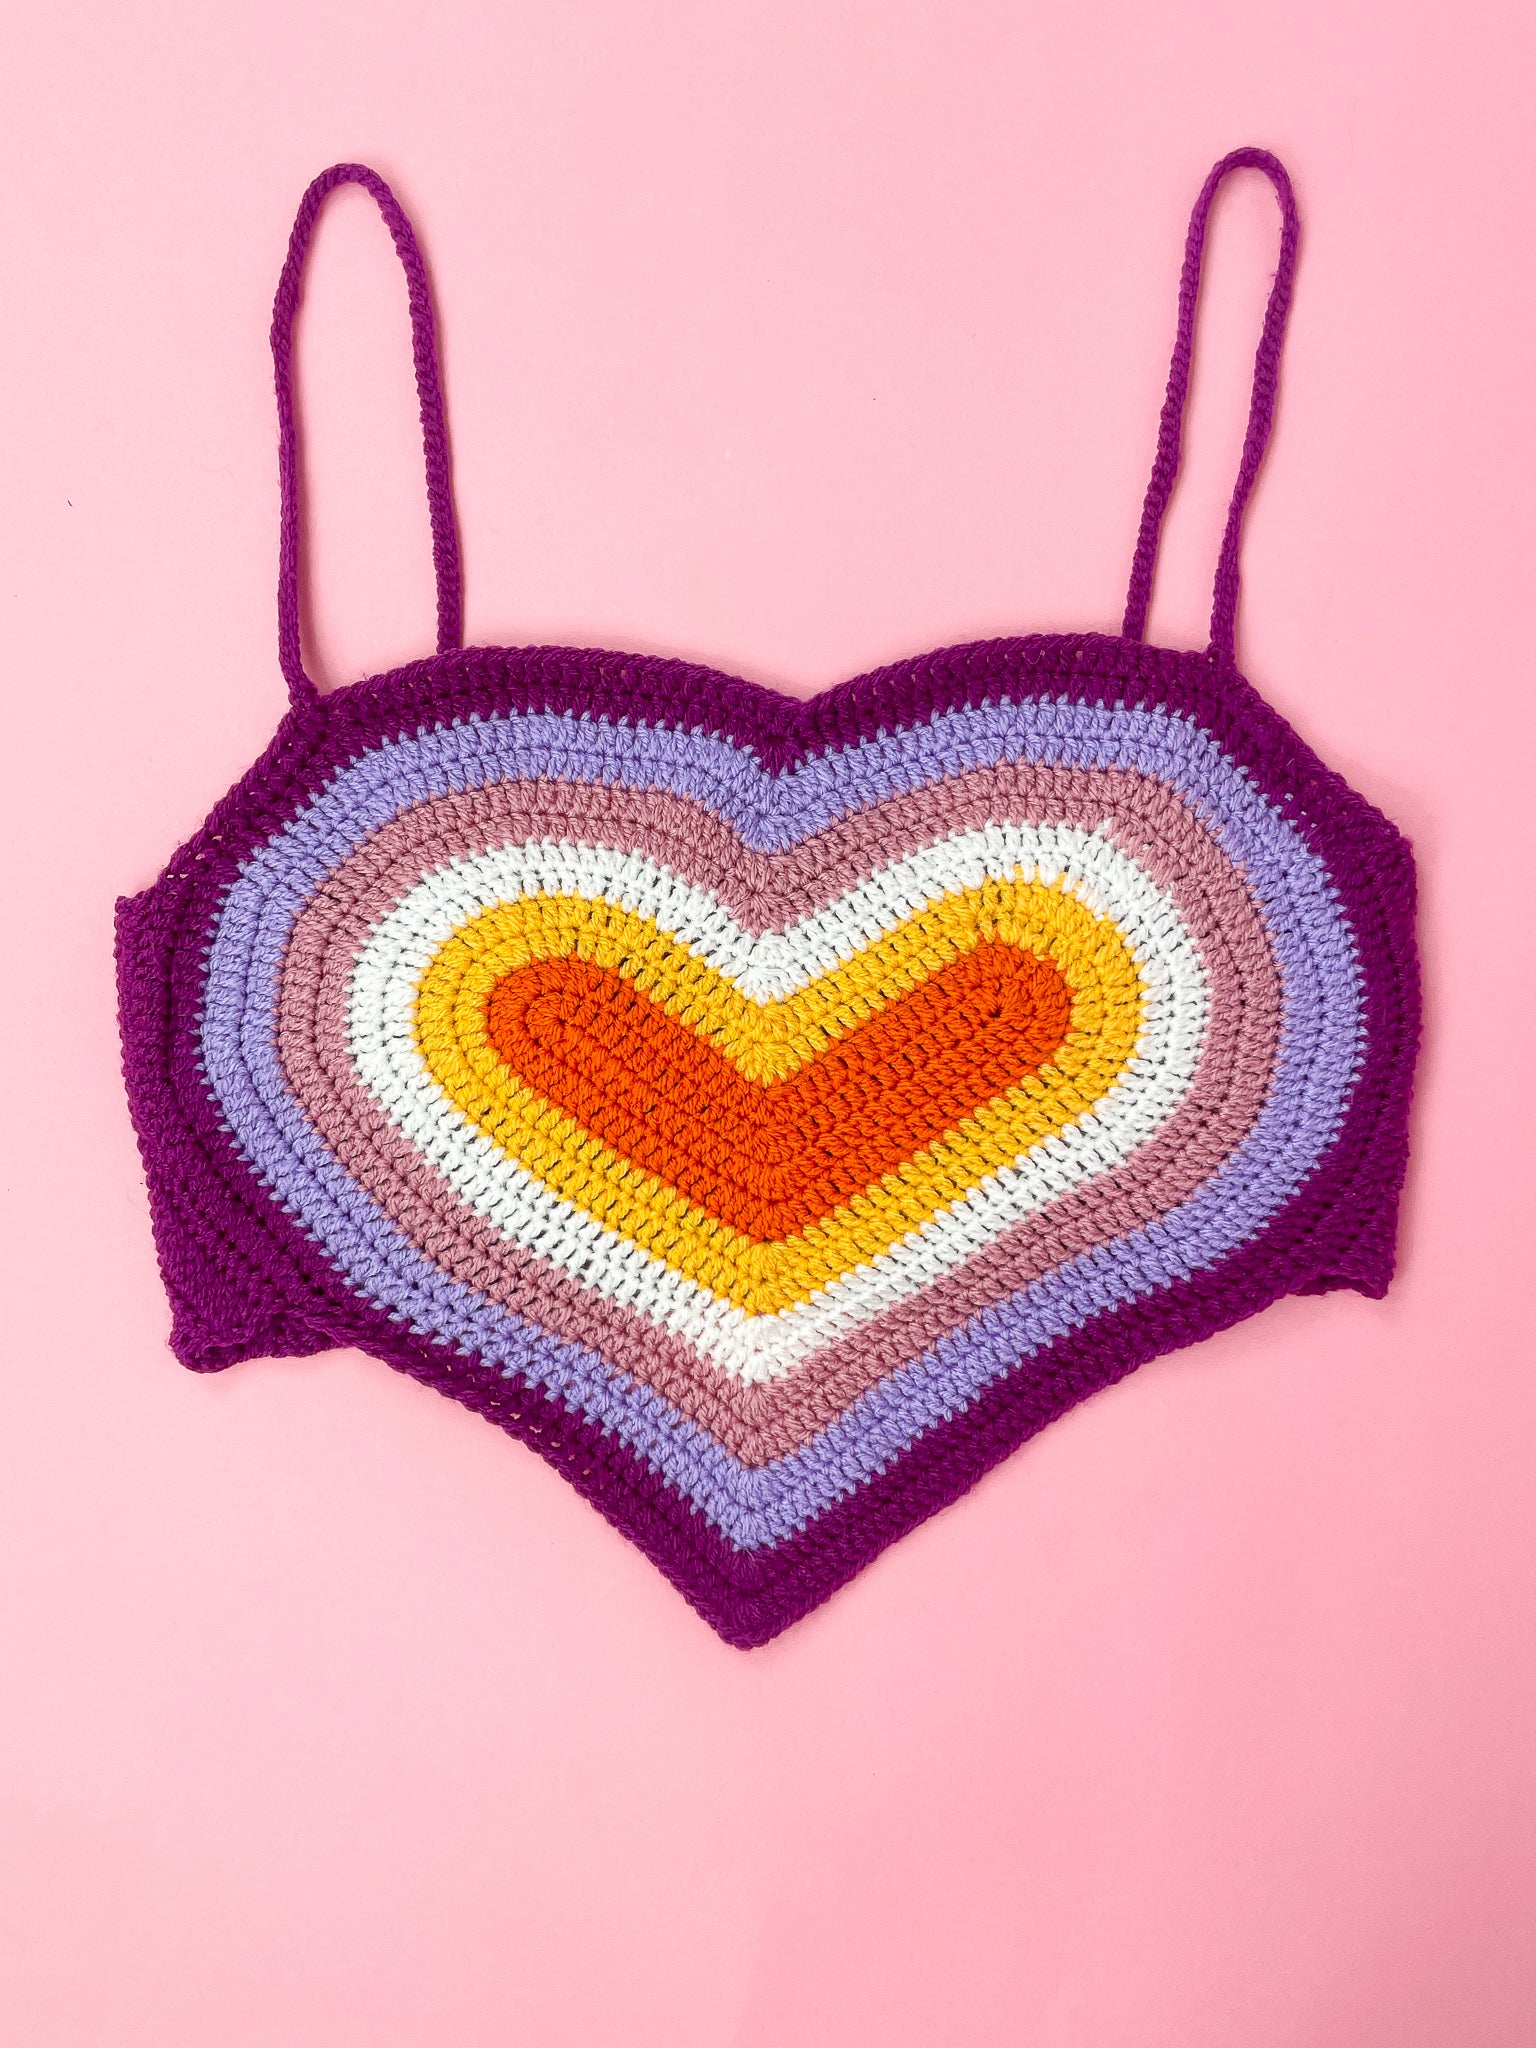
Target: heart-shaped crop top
(772, 1112)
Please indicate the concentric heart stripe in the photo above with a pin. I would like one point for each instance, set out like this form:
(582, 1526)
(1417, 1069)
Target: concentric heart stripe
(393, 1067)
(1228, 1089)
(1104, 1022)
(342, 930)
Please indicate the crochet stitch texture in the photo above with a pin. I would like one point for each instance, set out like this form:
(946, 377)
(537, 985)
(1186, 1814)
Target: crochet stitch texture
(772, 1112)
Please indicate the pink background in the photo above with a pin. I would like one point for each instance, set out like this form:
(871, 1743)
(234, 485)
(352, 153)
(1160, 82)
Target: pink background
(793, 337)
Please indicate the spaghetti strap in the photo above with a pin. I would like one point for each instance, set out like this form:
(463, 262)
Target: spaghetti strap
(1261, 410)
(434, 431)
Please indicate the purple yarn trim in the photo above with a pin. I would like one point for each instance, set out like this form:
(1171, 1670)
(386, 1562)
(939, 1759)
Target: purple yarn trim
(243, 1281)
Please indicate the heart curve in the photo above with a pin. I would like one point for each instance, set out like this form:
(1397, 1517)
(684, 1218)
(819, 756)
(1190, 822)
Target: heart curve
(416, 1021)
(348, 1177)
(770, 1159)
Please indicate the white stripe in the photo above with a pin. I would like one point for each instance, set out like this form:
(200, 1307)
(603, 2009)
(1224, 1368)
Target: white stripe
(381, 1029)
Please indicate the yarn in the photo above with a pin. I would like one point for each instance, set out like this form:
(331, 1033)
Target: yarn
(772, 1112)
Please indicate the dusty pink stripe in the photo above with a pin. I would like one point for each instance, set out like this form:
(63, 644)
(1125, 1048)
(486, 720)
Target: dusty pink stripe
(766, 891)
(762, 891)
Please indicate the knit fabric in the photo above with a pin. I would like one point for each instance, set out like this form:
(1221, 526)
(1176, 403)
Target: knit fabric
(773, 1113)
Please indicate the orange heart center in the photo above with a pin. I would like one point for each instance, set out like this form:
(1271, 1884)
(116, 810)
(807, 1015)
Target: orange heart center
(771, 1159)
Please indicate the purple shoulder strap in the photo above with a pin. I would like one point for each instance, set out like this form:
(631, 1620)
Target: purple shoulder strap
(434, 431)
(445, 539)
(1261, 410)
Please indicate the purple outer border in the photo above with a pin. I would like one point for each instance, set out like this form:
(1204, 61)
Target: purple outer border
(246, 1281)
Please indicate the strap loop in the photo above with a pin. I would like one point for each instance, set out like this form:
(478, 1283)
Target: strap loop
(1261, 410)
(434, 431)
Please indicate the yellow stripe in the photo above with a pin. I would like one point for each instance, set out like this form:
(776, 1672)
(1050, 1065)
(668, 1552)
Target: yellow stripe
(767, 1040)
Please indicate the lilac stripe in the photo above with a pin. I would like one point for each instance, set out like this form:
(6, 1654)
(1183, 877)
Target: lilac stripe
(753, 1508)
(761, 1423)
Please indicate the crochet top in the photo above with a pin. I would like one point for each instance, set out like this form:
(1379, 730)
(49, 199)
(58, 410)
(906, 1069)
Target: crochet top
(771, 1112)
